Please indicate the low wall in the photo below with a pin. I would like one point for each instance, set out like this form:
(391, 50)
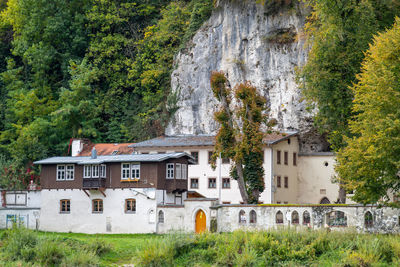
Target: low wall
(361, 218)
(183, 218)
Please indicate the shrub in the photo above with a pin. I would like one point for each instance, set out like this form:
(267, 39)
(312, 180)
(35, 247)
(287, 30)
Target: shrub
(99, 247)
(81, 258)
(157, 254)
(49, 253)
(18, 244)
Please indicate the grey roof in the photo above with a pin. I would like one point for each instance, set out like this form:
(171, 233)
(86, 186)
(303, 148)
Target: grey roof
(202, 140)
(178, 140)
(114, 158)
(317, 154)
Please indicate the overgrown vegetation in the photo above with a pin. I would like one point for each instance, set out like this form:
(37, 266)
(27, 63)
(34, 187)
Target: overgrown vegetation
(272, 248)
(241, 132)
(95, 69)
(21, 247)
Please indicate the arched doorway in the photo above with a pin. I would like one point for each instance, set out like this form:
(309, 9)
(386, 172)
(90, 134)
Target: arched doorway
(325, 200)
(201, 224)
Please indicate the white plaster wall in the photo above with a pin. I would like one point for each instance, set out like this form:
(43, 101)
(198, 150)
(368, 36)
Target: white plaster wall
(203, 171)
(82, 220)
(29, 217)
(173, 219)
(184, 218)
(313, 176)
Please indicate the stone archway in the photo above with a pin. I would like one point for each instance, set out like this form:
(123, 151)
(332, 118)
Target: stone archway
(325, 200)
(201, 221)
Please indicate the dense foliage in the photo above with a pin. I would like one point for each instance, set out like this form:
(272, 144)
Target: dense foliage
(241, 132)
(98, 69)
(339, 33)
(370, 164)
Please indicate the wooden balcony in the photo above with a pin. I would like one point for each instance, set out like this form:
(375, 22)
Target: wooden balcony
(94, 183)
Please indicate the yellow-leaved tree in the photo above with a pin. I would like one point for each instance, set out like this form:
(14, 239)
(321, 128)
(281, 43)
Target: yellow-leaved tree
(369, 165)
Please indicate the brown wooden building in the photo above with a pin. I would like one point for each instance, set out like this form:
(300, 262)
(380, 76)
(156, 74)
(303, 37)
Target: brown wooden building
(161, 171)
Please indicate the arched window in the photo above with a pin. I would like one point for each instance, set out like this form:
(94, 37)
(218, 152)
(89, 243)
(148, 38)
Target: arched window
(253, 216)
(279, 217)
(336, 219)
(242, 217)
(306, 218)
(325, 200)
(295, 217)
(161, 216)
(368, 219)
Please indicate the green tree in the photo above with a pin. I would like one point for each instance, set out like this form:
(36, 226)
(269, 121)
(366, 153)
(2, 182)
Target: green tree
(46, 36)
(339, 32)
(240, 136)
(370, 163)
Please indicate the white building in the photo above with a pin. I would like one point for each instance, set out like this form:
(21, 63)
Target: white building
(290, 177)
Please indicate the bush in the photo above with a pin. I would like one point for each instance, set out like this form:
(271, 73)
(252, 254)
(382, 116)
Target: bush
(81, 258)
(273, 248)
(19, 244)
(156, 254)
(23, 247)
(49, 253)
(99, 247)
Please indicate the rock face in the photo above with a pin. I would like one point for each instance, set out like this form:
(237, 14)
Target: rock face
(262, 44)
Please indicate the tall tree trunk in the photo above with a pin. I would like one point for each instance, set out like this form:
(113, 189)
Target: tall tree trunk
(240, 180)
(342, 194)
(238, 164)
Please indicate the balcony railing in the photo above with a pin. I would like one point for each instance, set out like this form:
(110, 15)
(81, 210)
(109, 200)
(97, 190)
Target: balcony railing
(94, 183)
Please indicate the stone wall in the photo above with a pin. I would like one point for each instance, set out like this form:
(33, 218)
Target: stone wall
(383, 220)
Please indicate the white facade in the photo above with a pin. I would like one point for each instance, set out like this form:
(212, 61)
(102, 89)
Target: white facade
(113, 219)
(204, 172)
(20, 207)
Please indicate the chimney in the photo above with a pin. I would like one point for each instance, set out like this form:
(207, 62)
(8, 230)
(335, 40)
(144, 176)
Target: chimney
(94, 153)
(76, 147)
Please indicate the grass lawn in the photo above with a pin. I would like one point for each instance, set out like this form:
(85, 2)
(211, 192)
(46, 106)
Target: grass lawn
(123, 245)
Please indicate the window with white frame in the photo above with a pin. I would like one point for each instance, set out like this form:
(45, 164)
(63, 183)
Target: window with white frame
(95, 171)
(125, 171)
(70, 172)
(178, 169)
(170, 171)
(60, 172)
(184, 171)
(87, 171)
(135, 170)
(103, 171)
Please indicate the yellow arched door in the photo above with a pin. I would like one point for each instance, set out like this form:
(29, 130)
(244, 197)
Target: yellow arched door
(201, 225)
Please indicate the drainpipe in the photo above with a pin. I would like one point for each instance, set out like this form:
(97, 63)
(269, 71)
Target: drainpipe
(220, 179)
(272, 175)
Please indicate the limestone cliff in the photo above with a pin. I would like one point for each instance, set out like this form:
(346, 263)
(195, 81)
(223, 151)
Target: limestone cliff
(250, 42)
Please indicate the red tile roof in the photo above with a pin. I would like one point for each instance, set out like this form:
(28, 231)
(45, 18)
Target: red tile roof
(107, 149)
